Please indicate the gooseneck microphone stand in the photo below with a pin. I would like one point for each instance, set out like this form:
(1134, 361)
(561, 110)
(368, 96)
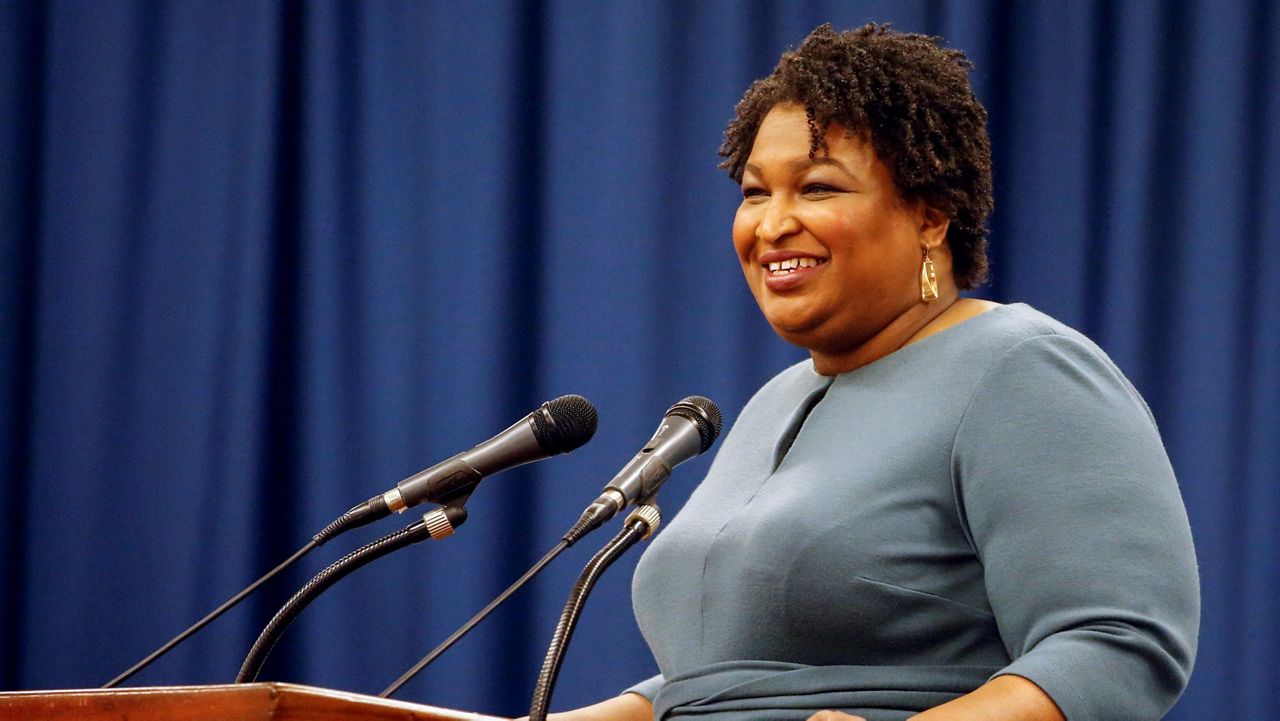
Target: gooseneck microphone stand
(640, 525)
(438, 525)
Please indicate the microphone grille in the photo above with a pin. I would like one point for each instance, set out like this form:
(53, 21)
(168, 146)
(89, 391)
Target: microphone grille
(705, 414)
(564, 423)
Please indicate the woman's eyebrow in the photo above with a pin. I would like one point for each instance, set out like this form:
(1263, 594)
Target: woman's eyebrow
(803, 163)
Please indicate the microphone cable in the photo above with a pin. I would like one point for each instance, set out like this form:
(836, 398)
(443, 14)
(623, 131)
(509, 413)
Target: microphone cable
(358, 516)
(476, 619)
(641, 524)
(438, 525)
(570, 537)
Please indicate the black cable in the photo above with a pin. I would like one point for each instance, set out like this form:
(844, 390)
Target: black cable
(466, 627)
(359, 515)
(572, 536)
(336, 571)
(226, 606)
(636, 529)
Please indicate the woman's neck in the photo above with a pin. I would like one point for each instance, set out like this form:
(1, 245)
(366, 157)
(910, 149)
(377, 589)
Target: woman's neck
(918, 322)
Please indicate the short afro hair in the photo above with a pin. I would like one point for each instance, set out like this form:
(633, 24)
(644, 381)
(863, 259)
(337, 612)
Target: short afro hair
(912, 97)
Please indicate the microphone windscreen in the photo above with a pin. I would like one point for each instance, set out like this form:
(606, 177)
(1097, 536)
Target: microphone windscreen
(565, 423)
(705, 414)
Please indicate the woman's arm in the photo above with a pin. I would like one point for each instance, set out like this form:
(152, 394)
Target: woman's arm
(1072, 506)
(1004, 697)
(627, 707)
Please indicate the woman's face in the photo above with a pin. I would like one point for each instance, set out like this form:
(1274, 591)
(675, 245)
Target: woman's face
(828, 245)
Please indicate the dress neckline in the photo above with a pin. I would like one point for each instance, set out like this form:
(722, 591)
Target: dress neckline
(906, 352)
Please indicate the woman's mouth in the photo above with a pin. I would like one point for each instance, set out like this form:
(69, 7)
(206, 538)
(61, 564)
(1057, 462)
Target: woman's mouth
(787, 273)
(791, 265)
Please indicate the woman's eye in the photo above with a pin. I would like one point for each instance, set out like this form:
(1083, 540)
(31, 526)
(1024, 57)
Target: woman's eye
(819, 189)
(753, 192)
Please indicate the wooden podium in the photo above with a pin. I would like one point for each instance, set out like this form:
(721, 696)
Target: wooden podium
(233, 702)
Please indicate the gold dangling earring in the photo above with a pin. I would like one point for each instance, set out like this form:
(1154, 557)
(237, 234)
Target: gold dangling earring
(928, 279)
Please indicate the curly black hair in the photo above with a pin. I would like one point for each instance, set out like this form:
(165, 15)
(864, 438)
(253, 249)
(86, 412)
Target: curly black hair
(913, 98)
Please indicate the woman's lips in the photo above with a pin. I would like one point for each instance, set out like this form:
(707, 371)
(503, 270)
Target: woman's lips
(783, 274)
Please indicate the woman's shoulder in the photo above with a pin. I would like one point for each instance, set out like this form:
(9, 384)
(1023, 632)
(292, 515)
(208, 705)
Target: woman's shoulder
(1010, 324)
(1031, 332)
(1011, 341)
(1015, 329)
(1028, 348)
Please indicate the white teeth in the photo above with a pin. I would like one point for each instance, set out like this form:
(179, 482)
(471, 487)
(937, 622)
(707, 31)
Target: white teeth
(782, 267)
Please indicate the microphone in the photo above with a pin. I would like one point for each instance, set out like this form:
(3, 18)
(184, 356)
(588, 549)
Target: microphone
(687, 430)
(557, 426)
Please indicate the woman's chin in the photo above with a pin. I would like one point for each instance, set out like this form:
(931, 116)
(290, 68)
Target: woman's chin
(797, 331)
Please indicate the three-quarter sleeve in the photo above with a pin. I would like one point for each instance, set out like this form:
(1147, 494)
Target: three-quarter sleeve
(1072, 507)
(648, 687)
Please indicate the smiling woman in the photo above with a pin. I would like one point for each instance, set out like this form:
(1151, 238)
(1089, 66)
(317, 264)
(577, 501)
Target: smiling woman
(955, 509)
(829, 246)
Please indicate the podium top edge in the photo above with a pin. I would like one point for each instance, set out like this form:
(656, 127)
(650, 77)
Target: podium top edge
(275, 693)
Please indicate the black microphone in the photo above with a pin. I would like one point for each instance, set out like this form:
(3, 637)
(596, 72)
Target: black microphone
(688, 429)
(557, 426)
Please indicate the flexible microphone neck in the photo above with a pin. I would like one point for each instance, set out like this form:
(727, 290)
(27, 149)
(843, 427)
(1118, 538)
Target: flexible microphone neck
(640, 525)
(438, 524)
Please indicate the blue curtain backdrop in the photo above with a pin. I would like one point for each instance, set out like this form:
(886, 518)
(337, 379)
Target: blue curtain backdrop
(259, 261)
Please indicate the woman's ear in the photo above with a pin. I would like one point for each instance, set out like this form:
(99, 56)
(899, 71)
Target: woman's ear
(933, 226)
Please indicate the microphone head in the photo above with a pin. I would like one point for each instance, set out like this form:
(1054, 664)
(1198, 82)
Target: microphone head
(704, 414)
(565, 423)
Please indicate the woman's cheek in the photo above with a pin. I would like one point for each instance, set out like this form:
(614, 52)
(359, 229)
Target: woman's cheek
(744, 237)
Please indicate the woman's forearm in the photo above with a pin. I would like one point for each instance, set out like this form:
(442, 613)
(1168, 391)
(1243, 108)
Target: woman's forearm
(1003, 698)
(627, 707)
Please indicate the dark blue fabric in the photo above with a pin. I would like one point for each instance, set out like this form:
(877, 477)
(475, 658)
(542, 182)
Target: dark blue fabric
(258, 261)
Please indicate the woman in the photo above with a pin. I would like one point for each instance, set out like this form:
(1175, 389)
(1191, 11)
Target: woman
(955, 509)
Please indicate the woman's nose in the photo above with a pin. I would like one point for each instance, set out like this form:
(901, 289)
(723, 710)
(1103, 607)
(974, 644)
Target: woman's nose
(777, 221)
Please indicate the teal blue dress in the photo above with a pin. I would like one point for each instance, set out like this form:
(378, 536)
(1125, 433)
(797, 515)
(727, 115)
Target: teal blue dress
(994, 499)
